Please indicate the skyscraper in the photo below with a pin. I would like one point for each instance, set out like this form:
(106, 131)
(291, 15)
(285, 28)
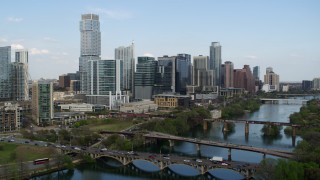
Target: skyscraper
(20, 76)
(126, 54)
(215, 61)
(5, 73)
(145, 77)
(271, 79)
(256, 73)
(228, 74)
(243, 78)
(42, 102)
(166, 75)
(202, 76)
(183, 72)
(90, 48)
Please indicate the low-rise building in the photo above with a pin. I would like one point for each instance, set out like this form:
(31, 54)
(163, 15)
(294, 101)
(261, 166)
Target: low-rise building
(139, 107)
(81, 107)
(66, 118)
(10, 118)
(172, 100)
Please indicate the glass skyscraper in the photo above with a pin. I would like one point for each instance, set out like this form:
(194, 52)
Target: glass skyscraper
(215, 61)
(5, 73)
(126, 54)
(90, 48)
(145, 77)
(183, 72)
(20, 76)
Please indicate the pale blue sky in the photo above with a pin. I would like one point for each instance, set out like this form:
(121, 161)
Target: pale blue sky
(283, 34)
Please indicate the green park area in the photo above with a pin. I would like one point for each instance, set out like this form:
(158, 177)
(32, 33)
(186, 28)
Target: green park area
(105, 124)
(10, 152)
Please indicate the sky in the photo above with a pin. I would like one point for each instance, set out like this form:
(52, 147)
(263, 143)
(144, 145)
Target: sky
(283, 34)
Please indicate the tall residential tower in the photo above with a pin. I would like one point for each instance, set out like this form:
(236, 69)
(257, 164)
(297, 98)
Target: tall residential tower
(90, 48)
(215, 62)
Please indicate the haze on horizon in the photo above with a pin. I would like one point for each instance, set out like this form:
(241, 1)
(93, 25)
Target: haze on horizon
(281, 34)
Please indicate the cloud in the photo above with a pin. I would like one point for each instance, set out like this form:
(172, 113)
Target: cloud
(252, 57)
(148, 54)
(50, 39)
(17, 46)
(35, 51)
(14, 19)
(112, 14)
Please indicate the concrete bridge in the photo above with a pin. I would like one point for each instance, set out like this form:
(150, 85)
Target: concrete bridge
(248, 122)
(285, 101)
(164, 162)
(198, 143)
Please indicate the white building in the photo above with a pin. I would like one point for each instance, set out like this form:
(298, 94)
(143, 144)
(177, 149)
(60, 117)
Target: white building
(139, 107)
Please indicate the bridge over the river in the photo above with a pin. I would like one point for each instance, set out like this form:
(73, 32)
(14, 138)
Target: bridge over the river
(163, 162)
(198, 143)
(285, 101)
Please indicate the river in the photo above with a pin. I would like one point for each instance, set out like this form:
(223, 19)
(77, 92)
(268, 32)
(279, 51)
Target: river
(267, 112)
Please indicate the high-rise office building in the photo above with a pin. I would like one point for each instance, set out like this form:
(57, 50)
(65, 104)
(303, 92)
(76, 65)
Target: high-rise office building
(243, 78)
(90, 45)
(272, 80)
(42, 102)
(256, 73)
(228, 74)
(5, 73)
(183, 72)
(103, 75)
(316, 84)
(215, 61)
(202, 76)
(165, 75)
(307, 85)
(126, 54)
(145, 77)
(20, 76)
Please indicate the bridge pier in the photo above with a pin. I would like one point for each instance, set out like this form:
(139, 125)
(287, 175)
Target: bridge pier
(264, 155)
(198, 147)
(225, 126)
(246, 128)
(205, 125)
(203, 169)
(293, 131)
(171, 143)
(293, 141)
(229, 155)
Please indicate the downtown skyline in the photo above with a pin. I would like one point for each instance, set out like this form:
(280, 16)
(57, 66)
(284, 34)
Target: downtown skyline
(283, 35)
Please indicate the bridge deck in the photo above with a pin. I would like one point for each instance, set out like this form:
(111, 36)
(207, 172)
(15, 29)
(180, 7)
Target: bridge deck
(274, 123)
(157, 135)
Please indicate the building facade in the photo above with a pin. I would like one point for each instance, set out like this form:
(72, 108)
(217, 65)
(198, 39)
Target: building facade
(127, 55)
(172, 101)
(202, 76)
(183, 72)
(307, 85)
(215, 62)
(165, 75)
(243, 78)
(316, 84)
(5, 73)
(10, 117)
(145, 77)
(228, 75)
(90, 45)
(42, 103)
(272, 79)
(20, 76)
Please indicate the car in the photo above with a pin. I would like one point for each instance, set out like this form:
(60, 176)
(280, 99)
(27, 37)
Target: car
(63, 146)
(11, 140)
(186, 160)
(76, 148)
(1, 139)
(224, 164)
(199, 160)
(166, 157)
(36, 144)
(151, 156)
(27, 142)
